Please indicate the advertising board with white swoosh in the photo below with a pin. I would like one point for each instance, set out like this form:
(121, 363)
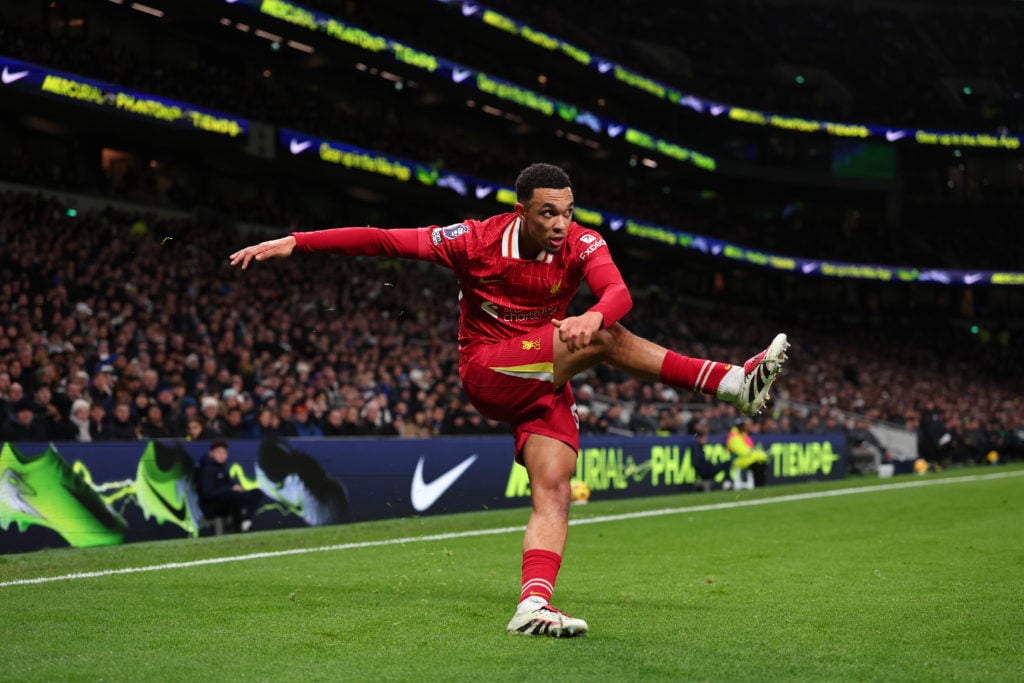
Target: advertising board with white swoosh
(107, 493)
(476, 11)
(80, 90)
(33, 80)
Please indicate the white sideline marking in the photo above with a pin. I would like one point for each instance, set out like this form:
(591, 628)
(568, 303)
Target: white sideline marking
(510, 529)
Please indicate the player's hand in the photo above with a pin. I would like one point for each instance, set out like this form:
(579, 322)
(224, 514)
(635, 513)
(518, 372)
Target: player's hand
(577, 331)
(279, 248)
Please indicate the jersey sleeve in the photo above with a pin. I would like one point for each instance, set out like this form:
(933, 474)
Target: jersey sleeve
(613, 298)
(602, 276)
(451, 244)
(411, 243)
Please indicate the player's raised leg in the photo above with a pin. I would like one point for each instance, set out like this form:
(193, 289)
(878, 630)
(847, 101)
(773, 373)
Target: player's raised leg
(744, 387)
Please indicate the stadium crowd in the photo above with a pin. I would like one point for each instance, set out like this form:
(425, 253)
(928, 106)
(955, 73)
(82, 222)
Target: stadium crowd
(123, 325)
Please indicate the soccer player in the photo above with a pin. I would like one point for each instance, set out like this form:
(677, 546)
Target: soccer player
(518, 273)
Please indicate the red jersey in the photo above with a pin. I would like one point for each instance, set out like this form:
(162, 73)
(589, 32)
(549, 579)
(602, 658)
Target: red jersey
(502, 295)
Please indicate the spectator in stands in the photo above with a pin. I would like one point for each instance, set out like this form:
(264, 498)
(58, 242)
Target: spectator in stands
(188, 410)
(58, 425)
(588, 420)
(152, 425)
(334, 422)
(98, 426)
(120, 424)
(79, 417)
(41, 398)
(304, 425)
(265, 424)
(376, 421)
(644, 419)
(286, 425)
(213, 422)
(418, 426)
(26, 425)
(613, 420)
(235, 426)
(102, 389)
(195, 430)
(15, 393)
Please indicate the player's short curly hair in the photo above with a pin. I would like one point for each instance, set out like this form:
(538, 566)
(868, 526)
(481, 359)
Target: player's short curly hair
(540, 175)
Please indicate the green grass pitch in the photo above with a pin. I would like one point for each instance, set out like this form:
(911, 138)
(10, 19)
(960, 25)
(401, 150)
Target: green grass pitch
(905, 579)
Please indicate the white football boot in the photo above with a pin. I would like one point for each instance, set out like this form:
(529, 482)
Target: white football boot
(545, 620)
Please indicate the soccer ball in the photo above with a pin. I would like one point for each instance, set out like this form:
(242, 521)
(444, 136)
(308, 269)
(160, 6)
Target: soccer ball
(579, 492)
(921, 466)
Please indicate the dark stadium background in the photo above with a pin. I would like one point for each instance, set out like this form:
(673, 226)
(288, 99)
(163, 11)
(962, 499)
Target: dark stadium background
(940, 360)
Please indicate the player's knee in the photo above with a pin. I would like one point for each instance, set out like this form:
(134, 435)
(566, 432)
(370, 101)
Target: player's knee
(551, 496)
(609, 337)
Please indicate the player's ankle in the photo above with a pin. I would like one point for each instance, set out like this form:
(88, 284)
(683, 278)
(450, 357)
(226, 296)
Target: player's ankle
(729, 387)
(531, 603)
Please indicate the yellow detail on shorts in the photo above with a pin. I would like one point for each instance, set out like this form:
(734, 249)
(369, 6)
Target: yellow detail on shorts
(542, 371)
(531, 344)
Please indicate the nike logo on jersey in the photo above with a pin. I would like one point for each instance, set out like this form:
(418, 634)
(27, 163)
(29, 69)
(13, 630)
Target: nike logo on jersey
(424, 494)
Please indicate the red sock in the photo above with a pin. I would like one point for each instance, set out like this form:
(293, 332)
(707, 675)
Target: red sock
(702, 376)
(540, 567)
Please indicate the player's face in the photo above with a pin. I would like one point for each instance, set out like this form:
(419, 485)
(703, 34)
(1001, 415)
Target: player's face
(546, 217)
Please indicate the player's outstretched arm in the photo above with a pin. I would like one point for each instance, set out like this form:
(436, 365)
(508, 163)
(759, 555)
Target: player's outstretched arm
(279, 248)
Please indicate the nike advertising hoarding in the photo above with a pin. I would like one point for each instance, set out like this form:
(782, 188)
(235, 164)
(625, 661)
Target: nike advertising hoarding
(89, 494)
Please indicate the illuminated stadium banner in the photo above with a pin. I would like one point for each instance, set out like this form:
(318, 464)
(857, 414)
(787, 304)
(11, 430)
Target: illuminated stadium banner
(377, 163)
(34, 79)
(474, 10)
(501, 89)
(109, 493)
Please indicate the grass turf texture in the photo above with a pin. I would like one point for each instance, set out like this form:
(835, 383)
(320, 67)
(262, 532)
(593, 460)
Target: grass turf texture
(915, 583)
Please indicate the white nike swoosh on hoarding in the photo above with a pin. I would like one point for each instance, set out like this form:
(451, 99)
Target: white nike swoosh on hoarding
(973, 278)
(297, 147)
(9, 76)
(423, 495)
(693, 103)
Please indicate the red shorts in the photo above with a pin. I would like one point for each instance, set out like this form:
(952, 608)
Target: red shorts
(513, 381)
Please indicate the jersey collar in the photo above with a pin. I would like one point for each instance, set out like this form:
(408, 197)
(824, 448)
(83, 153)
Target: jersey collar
(510, 243)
